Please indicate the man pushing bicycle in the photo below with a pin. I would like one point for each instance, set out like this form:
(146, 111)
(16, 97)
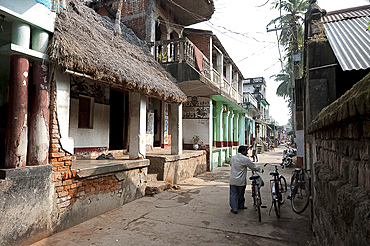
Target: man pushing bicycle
(239, 165)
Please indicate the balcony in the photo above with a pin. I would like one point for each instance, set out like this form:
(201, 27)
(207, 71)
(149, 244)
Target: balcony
(192, 69)
(250, 103)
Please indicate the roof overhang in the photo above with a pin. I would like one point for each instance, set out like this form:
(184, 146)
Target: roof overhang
(198, 88)
(229, 103)
(190, 12)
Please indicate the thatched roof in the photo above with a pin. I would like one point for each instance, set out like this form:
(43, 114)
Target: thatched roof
(82, 42)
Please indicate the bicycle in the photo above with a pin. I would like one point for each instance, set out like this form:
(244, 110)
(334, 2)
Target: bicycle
(257, 183)
(278, 189)
(301, 190)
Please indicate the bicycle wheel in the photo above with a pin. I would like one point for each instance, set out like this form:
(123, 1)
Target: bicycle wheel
(258, 201)
(300, 198)
(293, 180)
(277, 208)
(283, 189)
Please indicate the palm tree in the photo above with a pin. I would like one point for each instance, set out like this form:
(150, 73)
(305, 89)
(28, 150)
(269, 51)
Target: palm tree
(292, 20)
(291, 38)
(285, 89)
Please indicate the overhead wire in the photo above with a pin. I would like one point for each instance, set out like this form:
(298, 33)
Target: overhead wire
(263, 4)
(214, 27)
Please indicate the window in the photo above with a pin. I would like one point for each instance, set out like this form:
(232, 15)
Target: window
(84, 112)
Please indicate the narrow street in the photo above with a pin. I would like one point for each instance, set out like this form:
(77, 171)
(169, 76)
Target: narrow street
(196, 214)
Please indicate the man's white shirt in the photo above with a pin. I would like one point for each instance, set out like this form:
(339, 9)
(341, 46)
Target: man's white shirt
(239, 165)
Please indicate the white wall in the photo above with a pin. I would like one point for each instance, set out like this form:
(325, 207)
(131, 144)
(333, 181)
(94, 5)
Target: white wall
(193, 127)
(248, 88)
(98, 136)
(26, 9)
(63, 95)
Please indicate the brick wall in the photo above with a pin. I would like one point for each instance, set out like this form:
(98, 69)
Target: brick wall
(341, 137)
(67, 186)
(134, 16)
(79, 197)
(201, 41)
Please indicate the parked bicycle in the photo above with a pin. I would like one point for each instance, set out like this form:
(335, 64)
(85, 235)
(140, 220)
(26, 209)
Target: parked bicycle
(300, 190)
(257, 183)
(278, 189)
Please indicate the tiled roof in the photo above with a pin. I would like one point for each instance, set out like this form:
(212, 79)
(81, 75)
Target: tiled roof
(347, 35)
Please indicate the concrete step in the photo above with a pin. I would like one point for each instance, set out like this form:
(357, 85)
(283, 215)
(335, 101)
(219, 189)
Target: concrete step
(150, 177)
(155, 187)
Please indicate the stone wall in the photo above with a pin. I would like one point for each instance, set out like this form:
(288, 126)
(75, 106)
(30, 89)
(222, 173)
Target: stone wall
(341, 141)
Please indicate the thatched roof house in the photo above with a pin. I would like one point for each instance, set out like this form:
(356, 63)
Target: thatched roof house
(82, 43)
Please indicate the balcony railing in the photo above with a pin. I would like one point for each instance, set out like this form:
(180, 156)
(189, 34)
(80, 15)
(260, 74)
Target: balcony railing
(182, 50)
(248, 98)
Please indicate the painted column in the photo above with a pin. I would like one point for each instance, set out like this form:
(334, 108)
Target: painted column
(17, 130)
(40, 40)
(38, 143)
(16, 133)
(229, 72)
(242, 128)
(226, 128)
(230, 132)
(300, 147)
(137, 125)
(176, 129)
(21, 34)
(236, 130)
(231, 128)
(219, 125)
(210, 130)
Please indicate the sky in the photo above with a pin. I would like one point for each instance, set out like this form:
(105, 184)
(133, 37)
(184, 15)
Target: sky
(240, 25)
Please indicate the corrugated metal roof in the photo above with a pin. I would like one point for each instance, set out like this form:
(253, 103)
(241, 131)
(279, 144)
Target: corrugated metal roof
(345, 14)
(348, 37)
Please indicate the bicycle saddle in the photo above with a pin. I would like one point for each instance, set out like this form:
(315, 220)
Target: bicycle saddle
(274, 173)
(254, 176)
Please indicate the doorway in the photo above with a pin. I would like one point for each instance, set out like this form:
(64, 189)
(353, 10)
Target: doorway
(118, 130)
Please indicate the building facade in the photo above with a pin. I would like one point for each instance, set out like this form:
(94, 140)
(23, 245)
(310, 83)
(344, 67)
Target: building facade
(66, 104)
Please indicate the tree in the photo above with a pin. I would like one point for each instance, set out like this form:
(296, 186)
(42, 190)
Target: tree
(291, 36)
(285, 89)
(293, 19)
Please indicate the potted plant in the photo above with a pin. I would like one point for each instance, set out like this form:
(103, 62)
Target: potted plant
(196, 142)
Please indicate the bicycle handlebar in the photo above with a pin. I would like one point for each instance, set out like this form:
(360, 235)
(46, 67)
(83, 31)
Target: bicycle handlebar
(253, 172)
(275, 165)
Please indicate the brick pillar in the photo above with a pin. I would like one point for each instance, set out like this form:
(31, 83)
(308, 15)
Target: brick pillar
(16, 133)
(38, 144)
